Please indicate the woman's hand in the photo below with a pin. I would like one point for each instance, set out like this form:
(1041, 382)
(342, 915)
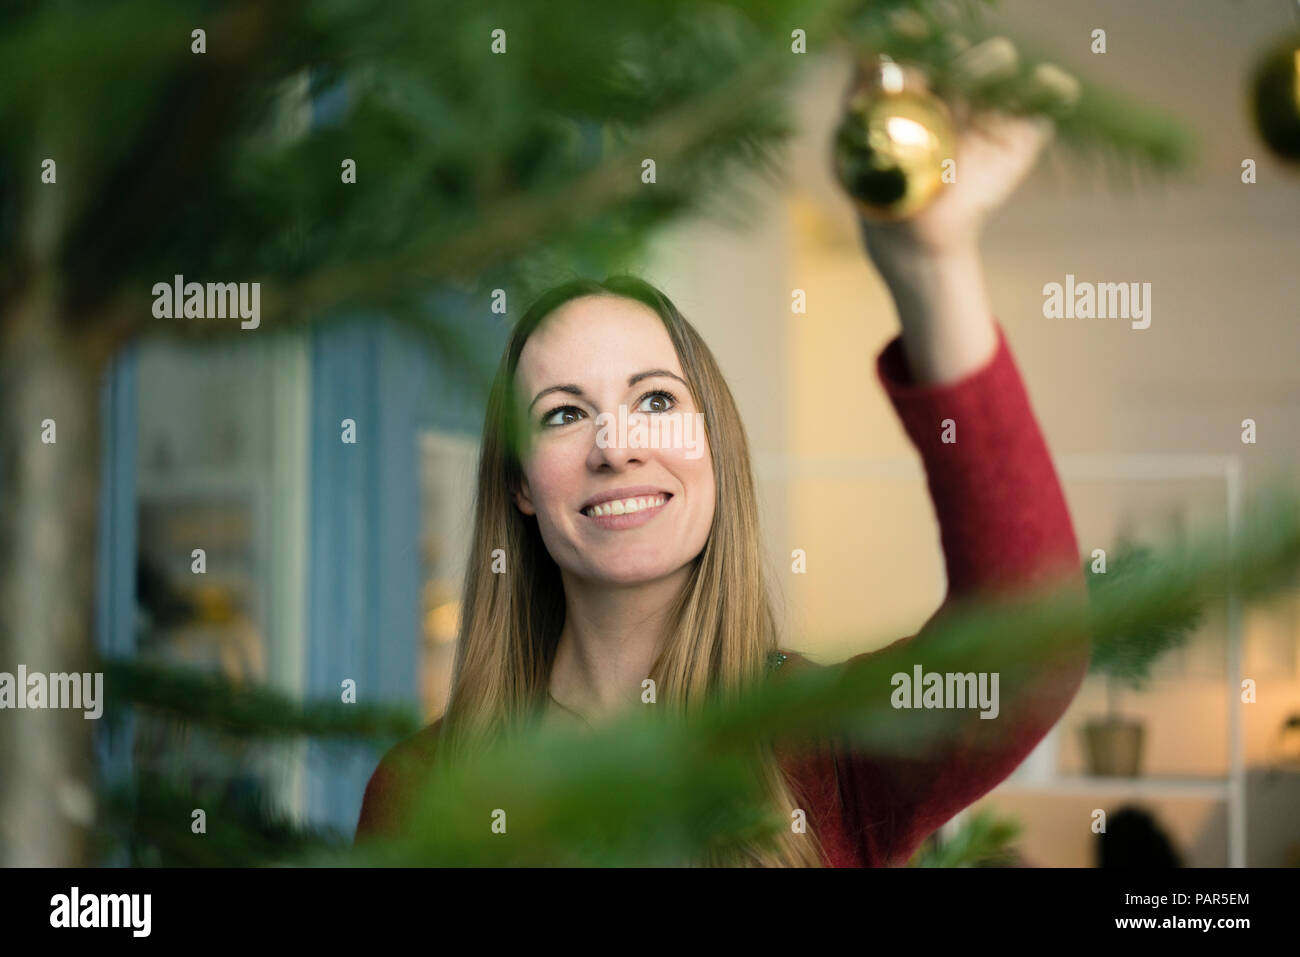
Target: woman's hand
(930, 262)
(995, 152)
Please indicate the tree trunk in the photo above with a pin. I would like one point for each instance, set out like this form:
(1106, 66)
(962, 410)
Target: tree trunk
(47, 563)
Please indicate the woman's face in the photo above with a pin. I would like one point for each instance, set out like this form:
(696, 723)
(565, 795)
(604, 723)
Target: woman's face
(587, 358)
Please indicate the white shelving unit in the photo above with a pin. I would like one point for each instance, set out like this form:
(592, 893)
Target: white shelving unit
(1039, 774)
(1082, 785)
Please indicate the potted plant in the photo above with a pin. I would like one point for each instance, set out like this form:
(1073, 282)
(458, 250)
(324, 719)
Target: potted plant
(1113, 742)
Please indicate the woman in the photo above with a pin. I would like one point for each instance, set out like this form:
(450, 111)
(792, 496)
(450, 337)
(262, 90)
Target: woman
(668, 584)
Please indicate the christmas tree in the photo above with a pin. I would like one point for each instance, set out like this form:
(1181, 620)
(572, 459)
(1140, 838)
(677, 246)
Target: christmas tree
(353, 155)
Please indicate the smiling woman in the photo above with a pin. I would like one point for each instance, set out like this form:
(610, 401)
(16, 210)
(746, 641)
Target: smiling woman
(634, 562)
(594, 602)
(625, 564)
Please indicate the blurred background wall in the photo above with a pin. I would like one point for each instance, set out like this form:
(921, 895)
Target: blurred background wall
(328, 559)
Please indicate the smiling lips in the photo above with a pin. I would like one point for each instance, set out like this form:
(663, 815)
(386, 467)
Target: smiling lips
(628, 512)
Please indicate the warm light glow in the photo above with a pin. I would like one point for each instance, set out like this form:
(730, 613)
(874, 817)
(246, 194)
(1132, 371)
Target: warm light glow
(1295, 72)
(907, 132)
(442, 622)
(891, 76)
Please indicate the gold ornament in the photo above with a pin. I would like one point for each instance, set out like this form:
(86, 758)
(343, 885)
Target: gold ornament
(1275, 100)
(892, 142)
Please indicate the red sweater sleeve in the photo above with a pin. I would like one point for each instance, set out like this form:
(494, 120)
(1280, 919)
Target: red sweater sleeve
(1003, 525)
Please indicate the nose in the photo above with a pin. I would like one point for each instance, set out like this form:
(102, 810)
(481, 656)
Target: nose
(611, 449)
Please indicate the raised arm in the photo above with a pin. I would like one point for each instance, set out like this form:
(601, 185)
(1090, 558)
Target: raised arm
(1004, 526)
(931, 262)
(1002, 515)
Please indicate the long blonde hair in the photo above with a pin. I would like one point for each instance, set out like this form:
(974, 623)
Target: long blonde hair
(722, 630)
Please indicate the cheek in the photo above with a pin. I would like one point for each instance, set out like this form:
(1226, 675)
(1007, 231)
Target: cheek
(551, 475)
(697, 475)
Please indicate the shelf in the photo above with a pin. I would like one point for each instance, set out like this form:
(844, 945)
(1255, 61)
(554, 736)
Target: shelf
(1215, 789)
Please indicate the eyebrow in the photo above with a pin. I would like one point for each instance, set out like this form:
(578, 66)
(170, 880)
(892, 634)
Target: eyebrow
(632, 380)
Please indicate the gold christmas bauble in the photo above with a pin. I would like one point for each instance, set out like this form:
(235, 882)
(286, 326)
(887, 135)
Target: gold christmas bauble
(1275, 100)
(891, 143)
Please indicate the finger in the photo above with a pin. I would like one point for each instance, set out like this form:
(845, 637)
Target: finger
(993, 124)
(1013, 130)
(1039, 131)
(1043, 126)
(961, 110)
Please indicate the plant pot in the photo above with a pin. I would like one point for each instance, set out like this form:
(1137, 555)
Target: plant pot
(1113, 746)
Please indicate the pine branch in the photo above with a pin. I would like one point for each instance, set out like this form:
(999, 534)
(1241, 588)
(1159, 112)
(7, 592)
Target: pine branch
(663, 790)
(984, 840)
(1126, 656)
(242, 710)
(153, 824)
(697, 137)
(469, 163)
(1100, 125)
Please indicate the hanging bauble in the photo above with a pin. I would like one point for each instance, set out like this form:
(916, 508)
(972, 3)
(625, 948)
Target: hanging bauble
(1275, 99)
(892, 141)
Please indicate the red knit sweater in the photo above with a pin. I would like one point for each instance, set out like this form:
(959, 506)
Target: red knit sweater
(1003, 524)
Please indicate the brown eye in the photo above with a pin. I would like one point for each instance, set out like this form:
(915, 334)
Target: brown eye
(564, 415)
(659, 400)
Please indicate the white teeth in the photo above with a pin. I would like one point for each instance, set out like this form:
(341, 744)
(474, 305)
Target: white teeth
(626, 505)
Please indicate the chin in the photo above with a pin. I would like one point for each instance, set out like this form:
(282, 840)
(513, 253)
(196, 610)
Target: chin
(636, 572)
